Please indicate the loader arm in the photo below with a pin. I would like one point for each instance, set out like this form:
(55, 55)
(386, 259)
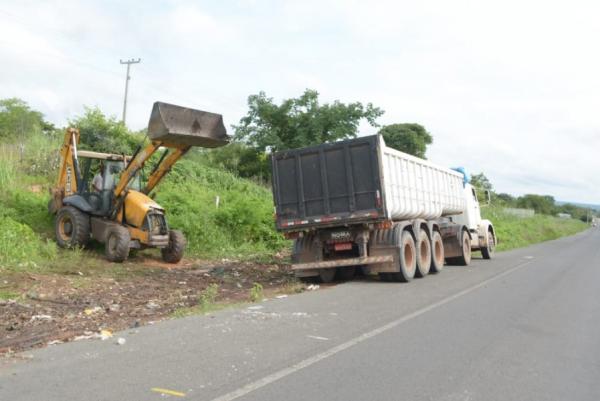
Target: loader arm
(134, 166)
(68, 174)
(163, 167)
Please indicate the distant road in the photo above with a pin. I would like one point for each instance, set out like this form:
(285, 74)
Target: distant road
(524, 326)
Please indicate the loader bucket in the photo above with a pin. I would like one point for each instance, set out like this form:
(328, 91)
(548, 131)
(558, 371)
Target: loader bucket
(175, 126)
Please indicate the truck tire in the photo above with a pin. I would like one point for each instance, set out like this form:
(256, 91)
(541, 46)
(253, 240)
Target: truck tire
(465, 258)
(437, 253)
(117, 244)
(71, 227)
(423, 254)
(346, 273)
(174, 252)
(488, 251)
(327, 275)
(408, 258)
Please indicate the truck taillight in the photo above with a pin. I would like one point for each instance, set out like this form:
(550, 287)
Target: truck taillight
(378, 198)
(384, 225)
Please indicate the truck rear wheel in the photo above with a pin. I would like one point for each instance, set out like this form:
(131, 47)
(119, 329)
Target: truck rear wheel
(488, 251)
(174, 252)
(71, 227)
(423, 255)
(408, 259)
(437, 253)
(327, 275)
(117, 244)
(346, 273)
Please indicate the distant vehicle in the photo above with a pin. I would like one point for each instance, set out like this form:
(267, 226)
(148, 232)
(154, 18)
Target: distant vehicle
(358, 203)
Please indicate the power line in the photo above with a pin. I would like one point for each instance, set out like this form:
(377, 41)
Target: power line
(127, 78)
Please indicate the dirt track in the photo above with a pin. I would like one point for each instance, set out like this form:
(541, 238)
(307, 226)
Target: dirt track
(55, 307)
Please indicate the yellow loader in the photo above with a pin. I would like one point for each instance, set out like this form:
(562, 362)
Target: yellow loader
(114, 207)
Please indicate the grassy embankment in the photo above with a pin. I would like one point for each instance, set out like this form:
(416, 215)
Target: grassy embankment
(516, 232)
(241, 227)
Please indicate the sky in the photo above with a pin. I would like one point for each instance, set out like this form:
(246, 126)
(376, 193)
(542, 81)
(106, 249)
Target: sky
(508, 88)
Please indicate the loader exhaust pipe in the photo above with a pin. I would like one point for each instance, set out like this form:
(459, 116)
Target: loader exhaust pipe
(180, 126)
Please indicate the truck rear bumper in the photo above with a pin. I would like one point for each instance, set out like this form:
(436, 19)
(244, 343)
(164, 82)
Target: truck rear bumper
(330, 264)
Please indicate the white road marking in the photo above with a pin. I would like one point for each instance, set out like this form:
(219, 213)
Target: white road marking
(318, 337)
(250, 387)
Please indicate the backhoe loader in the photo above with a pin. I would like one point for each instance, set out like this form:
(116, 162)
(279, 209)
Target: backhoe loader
(116, 209)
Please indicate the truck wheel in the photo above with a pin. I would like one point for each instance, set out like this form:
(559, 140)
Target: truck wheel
(117, 244)
(327, 275)
(71, 227)
(174, 252)
(408, 259)
(346, 273)
(437, 253)
(423, 255)
(465, 258)
(488, 251)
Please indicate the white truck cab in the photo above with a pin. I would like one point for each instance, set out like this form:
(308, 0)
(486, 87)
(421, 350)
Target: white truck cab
(483, 235)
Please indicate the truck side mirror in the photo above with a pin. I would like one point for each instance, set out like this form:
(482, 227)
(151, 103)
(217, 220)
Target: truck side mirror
(488, 197)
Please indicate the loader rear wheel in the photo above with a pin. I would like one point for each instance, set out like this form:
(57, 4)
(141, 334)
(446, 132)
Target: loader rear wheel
(437, 253)
(423, 255)
(488, 251)
(408, 259)
(174, 252)
(71, 227)
(117, 244)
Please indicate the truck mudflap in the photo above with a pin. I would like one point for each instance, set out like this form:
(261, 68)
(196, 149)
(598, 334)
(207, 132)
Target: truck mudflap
(330, 264)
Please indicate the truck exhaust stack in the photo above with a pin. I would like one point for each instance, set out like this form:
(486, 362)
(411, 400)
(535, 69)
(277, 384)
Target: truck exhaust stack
(179, 126)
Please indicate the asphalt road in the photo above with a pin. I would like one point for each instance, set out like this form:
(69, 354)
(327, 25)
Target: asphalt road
(524, 326)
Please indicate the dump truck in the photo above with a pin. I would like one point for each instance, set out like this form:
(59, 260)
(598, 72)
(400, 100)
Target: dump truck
(360, 204)
(115, 207)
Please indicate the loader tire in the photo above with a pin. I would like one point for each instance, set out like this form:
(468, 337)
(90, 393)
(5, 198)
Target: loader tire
(408, 259)
(117, 244)
(423, 255)
(437, 253)
(488, 251)
(174, 252)
(71, 227)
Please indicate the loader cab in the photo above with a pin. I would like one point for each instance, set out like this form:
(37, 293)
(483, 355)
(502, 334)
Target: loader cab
(109, 167)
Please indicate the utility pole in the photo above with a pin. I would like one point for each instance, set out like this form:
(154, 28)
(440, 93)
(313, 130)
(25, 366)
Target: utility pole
(127, 78)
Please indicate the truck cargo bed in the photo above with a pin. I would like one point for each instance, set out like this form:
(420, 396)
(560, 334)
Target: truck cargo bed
(330, 184)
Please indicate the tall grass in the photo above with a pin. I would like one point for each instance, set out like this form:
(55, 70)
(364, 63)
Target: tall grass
(516, 232)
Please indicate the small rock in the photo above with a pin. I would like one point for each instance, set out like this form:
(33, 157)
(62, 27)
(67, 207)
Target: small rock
(121, 341)
(152, 305)
(256, 307)
(41, 317)
(281, 296)
(135, 325)
(313, 287)
(114, 307)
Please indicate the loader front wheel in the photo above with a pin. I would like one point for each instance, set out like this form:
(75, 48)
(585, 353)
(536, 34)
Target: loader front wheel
(71, 227)
(174, 252)
(117, 244)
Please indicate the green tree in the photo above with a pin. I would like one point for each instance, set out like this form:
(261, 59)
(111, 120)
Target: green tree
(410, 138)
(543, 204)
(19, 122)
(300, 122)
(481, 181)
(105, 134)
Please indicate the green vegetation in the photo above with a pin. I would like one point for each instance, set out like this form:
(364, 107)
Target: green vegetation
(409, 138)
(515, 232)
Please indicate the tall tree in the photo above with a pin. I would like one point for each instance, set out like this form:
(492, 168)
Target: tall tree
(481, 181)
(409, 138)
(300, 122)
(18, 121)
(105, 134)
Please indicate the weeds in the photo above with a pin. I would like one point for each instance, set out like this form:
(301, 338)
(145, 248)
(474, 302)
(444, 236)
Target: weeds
(256, 292)
(208, 297)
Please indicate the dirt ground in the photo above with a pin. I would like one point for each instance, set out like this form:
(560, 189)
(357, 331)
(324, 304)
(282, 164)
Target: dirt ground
(46, 308)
